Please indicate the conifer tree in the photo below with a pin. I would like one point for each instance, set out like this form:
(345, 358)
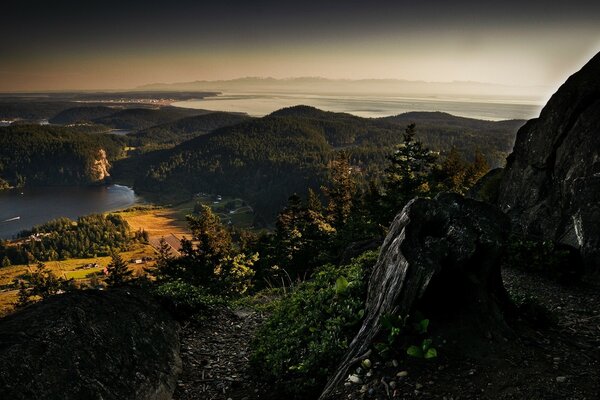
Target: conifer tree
(408, 175)
(118, 273)
(341, 190)
(211, 244)
(165, 268)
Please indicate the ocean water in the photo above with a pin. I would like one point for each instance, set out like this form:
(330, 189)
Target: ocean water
(260, 104)
(21, 209)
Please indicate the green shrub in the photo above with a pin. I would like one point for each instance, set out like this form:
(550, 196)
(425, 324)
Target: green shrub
(185, 300)
(299, 346)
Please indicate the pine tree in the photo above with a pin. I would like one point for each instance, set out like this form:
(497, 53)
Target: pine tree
(6, 262)
(409, 174)
(118, 273)
(41, 284)
(453, 172)
(211, 244)
(165, 268)
(313, 202)
(478, 168)
(341, 190)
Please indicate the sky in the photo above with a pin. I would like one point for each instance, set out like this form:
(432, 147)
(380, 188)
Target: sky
(96, 45)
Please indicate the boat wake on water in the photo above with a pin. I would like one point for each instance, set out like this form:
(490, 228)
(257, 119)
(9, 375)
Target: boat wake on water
(12, 219)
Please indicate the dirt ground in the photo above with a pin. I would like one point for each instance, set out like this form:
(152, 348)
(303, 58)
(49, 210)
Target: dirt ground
(560, 361)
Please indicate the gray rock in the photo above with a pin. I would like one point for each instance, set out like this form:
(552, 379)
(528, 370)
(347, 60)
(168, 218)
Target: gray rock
(91, 344)
(551, 184)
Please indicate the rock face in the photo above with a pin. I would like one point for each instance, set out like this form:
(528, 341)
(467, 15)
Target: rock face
(441, 256)
(551, 184)
(89, 345)
(100, 167)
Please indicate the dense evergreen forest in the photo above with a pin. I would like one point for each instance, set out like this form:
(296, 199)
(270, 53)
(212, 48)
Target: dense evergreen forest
(182, 151)
(266, 159)
(53, 155)
(119, 117)
(172, 133)
(89, 236)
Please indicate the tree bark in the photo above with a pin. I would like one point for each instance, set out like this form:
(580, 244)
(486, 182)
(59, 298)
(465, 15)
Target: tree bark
(441, 256)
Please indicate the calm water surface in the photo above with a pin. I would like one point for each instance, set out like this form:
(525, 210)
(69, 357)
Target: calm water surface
(35, 206)
(260, 104)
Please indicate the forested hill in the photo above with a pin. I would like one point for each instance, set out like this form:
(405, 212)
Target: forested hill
(124, 118)
(141, 118)
(185, 128)
(262, 160)
(51, 155)
(82, 114)
(266, 159)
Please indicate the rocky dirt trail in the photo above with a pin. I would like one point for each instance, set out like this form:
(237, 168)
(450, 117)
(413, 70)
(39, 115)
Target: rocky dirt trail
(215, 354)
(556, 362)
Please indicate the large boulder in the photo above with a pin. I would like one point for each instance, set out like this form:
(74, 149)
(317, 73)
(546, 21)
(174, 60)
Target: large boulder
(89, 345)
(441, 256)
(551, 183)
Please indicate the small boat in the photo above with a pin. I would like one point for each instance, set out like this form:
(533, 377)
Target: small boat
(12, 219)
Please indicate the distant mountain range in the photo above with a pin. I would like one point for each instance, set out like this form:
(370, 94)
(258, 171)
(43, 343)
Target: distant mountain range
(388, 87)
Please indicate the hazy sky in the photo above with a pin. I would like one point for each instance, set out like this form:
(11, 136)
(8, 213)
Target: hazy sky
(122, 44)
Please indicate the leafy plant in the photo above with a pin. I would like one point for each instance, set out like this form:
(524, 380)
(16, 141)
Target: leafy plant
(185, 300)
(425, 350)
(396, 328)
(421, 326)
(300, 345)
(341, 285)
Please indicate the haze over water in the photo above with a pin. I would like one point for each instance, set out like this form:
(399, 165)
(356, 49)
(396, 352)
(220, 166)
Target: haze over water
(371, 106)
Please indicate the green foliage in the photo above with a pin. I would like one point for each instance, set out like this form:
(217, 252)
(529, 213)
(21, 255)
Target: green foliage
(425, 350)
(394, 325)
(40, 285)
(178, 131)
(408, 175)
(118, 274)
(89, 236)
(141, 118)
(421, 326)
(341, 285)
(265, 160)
(400, 330)
(52, 155)
(300, 344)
(301, 238)
(456, 174)
(340, 191)
(185, 300)
(235, 273)
(165, 268)
(209, 260)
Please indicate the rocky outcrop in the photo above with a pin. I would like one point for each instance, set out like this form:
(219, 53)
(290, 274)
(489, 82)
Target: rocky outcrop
(89, 345)
(100, 166)
(441, 256)
(551, 184)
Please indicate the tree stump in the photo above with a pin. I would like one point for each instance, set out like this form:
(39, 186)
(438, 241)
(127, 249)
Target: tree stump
(441, 256)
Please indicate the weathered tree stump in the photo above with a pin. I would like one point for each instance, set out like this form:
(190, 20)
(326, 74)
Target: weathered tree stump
(441, 256)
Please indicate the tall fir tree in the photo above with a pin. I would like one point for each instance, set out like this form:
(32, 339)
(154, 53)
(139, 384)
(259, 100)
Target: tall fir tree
(118, 274)
(341, 190)
(408, 175)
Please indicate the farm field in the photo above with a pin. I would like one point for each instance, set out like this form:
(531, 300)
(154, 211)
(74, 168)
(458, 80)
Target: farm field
(71, 268)
(158, 221)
